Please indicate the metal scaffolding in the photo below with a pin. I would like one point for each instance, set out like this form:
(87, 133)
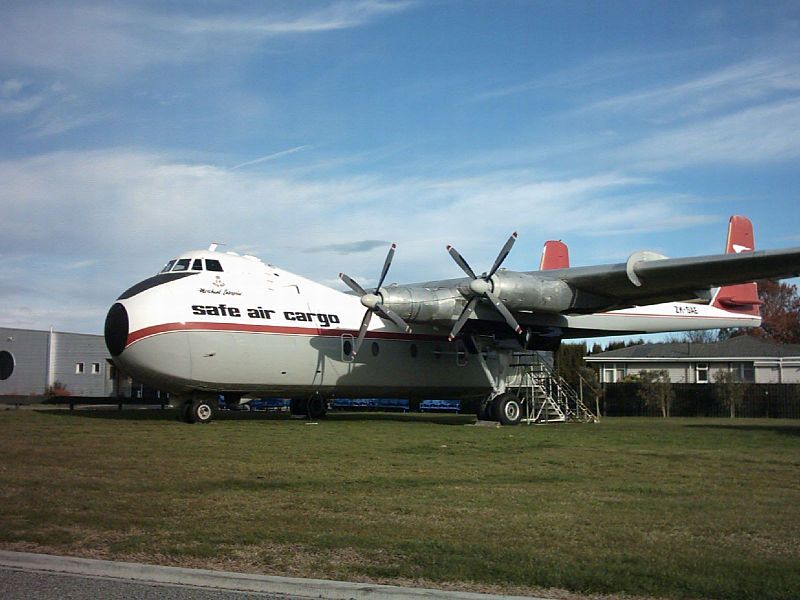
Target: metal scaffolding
(546, 397)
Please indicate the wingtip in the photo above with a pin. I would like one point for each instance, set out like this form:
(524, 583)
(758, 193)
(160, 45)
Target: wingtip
(518, 330)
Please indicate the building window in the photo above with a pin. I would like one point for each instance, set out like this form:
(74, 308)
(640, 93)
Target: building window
(613, 372)
(95, 368)
(79, 368)
(744, 372)
(701, 373)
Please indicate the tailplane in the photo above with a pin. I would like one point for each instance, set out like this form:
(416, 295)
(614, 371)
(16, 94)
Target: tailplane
(743, 297)
(555, 255)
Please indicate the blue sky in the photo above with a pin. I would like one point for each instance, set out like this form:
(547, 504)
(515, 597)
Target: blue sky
(314, 133)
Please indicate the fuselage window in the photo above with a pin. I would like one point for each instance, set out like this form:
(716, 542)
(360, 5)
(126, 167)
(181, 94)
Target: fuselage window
(213, 265)
(375, 348)
(197, 265)
(168, 266)
(182, 264)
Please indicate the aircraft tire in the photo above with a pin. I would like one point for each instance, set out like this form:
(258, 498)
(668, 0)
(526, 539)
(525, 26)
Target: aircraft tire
(316, 407)
(507, 409)
(486, 411)
(201, 411)
(298, 407)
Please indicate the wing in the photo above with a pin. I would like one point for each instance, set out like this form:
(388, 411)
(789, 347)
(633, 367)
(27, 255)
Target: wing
(645, 279)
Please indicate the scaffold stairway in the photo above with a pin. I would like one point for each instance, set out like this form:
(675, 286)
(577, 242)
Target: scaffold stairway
(546, 397)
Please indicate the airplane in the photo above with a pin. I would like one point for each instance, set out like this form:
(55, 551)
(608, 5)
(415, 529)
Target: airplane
(214, 323)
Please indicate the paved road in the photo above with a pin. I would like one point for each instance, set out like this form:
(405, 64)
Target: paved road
(24, 585)
(24, 575)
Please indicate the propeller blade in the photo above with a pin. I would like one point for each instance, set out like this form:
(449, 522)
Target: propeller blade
(352, 285)
(362, 332)
(498, 304)
(461, 262)
(387, 263)
(503, 254)
(468, 309)
(388, 313)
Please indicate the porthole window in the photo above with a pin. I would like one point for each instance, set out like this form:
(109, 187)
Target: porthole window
(413, 350)
(375, 348)
(347, 348)
(6, 364)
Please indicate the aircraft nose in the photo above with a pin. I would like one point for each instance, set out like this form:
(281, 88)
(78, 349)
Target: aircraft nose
(116, 329)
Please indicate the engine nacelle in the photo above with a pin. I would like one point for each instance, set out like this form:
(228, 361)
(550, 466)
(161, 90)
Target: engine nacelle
(522, 291)
(423, 305)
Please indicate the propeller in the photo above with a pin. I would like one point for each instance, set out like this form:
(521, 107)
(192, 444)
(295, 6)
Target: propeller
(483, 287)
(372, 301)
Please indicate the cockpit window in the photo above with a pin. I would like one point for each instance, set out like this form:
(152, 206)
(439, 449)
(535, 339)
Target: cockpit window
(168, 266)
(197, 265)
(213, 265)
(182, 265)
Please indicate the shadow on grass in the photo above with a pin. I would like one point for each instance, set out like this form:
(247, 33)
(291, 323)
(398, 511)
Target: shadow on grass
(782, 429)
(171, 414)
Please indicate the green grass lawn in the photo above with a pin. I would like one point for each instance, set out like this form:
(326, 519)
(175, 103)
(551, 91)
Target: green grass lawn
(680, 508)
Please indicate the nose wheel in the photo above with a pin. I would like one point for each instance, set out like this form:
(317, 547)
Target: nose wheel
(199, 410)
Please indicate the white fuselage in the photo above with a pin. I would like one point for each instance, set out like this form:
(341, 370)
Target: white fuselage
(259, 330)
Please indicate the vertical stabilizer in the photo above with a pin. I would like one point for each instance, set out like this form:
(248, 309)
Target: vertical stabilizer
(741, 298)
(555, 255)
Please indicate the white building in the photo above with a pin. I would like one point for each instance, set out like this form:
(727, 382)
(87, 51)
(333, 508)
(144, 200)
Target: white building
(750, 359)
(34, 362)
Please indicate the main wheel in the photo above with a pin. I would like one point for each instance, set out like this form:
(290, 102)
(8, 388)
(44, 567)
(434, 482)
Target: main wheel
(507, 409)
(299, 407)
(317, 407)
(201, 411)
(485, 411)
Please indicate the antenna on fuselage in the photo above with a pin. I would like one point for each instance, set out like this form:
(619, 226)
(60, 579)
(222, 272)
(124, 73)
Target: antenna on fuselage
(214, 245)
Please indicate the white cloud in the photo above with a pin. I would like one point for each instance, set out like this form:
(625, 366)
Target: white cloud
(100, 43)
(756, 135)
(90, 224)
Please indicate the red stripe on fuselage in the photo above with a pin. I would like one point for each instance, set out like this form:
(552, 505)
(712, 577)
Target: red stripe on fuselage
(273, 329)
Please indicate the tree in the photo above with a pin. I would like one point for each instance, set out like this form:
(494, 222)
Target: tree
(655, 389)
(569, 364)
(728, 391)
(780, 312)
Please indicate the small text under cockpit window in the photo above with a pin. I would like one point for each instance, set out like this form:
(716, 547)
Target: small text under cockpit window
(197, 265)
(213, 265)
(182, 265)
(168, 266)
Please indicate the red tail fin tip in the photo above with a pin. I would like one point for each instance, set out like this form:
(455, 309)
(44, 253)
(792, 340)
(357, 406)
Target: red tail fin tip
(555, 255)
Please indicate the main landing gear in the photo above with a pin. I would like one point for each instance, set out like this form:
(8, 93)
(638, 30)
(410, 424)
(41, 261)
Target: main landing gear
(505, 408)
(314, 407)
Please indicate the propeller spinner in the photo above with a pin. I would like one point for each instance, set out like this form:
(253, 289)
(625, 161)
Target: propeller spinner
(373, 302)
(483, 287)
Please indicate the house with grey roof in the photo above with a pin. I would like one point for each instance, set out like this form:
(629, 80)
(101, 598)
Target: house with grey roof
(750, 359)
